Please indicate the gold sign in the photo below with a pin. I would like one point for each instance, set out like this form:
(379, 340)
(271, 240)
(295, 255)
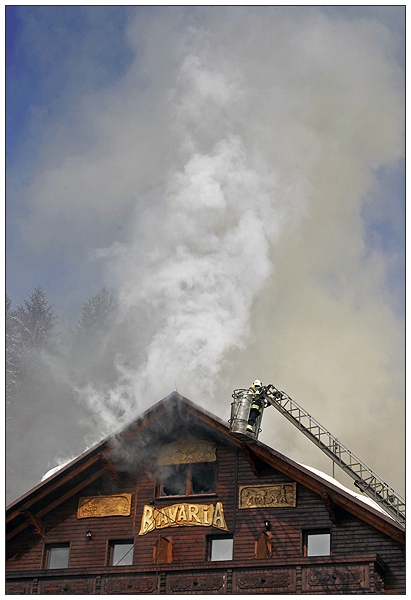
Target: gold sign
(187, 451)
(272, 496)
(104, 506)
(178, 515)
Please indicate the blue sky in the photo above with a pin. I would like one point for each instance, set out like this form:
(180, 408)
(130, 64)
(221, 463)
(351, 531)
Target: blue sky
(235, 173)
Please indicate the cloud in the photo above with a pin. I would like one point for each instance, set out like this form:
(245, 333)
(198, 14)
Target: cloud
(236, 154)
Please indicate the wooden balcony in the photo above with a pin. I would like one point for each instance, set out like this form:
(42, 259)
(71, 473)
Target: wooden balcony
(362, 574)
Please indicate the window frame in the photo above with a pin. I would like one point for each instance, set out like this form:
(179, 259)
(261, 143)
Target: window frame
(48, 547)
(209, 546)
(111, 549)
(188, 492)
(311, 532)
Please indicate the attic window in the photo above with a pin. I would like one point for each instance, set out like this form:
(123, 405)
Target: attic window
(186, 480)
(57, 556)
(317, 543)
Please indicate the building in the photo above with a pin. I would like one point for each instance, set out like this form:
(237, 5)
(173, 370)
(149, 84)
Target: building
(175, 505)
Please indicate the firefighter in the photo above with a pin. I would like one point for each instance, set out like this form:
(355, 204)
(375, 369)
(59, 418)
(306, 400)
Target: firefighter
(257, 403)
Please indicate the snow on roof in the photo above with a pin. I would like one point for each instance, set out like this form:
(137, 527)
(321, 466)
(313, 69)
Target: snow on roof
(360, 497)
(55, 469)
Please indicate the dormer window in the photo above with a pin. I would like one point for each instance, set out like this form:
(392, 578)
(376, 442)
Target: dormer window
(187, 468)
(186, 480)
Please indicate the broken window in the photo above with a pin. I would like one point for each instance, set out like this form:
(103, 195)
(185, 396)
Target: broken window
(186, 480)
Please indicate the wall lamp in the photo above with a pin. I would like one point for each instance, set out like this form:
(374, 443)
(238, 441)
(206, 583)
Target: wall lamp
(267, 525)
(89, 535)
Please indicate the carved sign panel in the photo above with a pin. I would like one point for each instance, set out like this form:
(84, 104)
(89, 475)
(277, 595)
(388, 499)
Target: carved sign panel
(274, 496)
(187, 451)
(182, 515)
(104, 506)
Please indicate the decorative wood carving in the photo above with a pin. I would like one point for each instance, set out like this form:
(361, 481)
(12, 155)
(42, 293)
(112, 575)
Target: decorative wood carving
(266, 580)
(196, 584)
(17, 587)
(104, 506)
(328, 578)
(128, 585)
(67, 586)
(182, 515)
(273, 496)
(187, 451)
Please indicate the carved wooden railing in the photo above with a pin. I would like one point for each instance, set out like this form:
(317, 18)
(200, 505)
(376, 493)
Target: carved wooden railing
(313, 575)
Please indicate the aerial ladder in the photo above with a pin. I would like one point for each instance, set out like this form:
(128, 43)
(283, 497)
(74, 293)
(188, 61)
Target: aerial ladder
(364, 478)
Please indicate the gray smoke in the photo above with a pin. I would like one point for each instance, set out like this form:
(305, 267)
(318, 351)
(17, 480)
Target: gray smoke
(240, 153)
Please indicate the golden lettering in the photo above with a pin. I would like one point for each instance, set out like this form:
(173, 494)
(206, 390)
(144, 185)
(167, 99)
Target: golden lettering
(219, 520)
(147, 521)
(205, 516)
(161, 519)
(172, 511)
(193, 512)
(183, 514)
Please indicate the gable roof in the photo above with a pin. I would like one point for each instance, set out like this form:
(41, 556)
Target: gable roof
(166, 420)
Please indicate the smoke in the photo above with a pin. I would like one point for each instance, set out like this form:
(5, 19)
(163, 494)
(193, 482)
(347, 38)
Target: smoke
(221, 187)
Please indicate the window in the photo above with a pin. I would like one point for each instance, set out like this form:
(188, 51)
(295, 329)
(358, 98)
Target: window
(163, 551)
(263, 545)
(317, 543)
(186, 480)
(121, 553)
(57, 556)
(220, 547)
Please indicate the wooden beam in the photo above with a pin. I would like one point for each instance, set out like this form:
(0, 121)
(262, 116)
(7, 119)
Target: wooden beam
(249, 457)
(382, 523)
(332, 509)
(109, 465)
(72, 492)
(49, 488)
(57, 502)
(37, 524)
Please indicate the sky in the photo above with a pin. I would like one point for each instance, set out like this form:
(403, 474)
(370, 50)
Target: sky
(235, 175)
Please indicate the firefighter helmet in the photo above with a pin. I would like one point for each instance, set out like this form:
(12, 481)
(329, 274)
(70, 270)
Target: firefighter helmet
(257, 383)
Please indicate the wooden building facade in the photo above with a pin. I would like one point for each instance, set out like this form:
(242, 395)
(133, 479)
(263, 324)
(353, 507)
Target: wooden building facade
(175, 505)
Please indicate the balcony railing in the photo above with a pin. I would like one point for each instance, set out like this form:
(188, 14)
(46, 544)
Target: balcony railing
(307, 575)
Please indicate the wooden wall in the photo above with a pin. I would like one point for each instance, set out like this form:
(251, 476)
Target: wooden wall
(350, 536)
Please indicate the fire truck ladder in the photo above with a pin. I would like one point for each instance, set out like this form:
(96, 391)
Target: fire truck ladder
(364, 477)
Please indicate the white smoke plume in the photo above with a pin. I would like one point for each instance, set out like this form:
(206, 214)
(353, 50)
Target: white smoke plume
(240, 153)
